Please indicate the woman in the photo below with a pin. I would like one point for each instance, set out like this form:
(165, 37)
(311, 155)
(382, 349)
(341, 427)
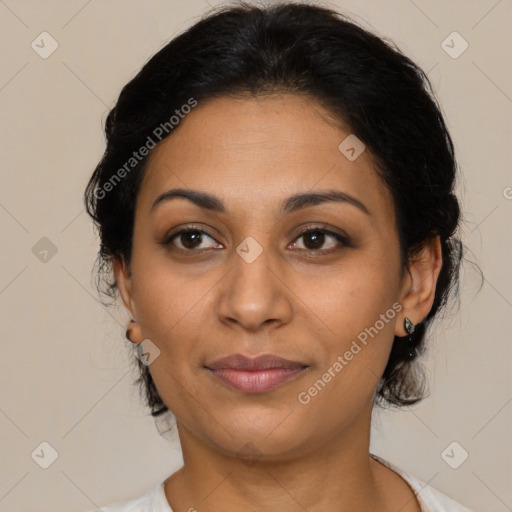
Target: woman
(277, 212)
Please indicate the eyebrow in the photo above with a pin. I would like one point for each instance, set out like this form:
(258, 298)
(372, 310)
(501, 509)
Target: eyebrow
(289, 205)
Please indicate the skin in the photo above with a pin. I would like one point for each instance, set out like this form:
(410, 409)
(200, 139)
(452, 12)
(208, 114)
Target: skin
(292, 301)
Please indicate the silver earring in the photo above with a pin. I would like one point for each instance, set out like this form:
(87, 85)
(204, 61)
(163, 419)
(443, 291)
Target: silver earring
(408, 326)
(409, 329)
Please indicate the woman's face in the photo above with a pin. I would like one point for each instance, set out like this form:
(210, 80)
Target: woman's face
(253, 284)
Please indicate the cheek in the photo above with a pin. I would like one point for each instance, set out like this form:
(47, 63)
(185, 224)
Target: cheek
(353, 297)
(360, 310)
(167, 305)
(163, 290)
(169, 309)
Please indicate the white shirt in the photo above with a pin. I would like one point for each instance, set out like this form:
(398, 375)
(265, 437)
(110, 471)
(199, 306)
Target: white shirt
(430, 499)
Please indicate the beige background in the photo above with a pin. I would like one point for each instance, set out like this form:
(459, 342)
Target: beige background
(65, 371)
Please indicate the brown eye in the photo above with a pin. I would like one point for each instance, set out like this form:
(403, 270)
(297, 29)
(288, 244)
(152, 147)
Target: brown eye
(314, 240)
(191, 239)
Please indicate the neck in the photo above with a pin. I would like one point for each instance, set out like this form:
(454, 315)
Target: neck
(337, 474)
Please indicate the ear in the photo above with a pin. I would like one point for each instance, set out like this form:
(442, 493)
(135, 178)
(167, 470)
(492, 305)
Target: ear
(419, 284)
(122, 273)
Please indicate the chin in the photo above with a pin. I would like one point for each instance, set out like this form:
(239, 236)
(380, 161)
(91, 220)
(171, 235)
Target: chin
(270, 435)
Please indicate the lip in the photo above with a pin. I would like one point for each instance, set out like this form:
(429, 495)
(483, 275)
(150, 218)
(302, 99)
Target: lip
(255, 375)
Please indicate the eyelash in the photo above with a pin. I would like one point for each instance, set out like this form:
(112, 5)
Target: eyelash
(345, 241)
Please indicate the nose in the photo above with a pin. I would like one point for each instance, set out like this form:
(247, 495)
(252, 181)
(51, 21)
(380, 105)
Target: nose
(255, 295)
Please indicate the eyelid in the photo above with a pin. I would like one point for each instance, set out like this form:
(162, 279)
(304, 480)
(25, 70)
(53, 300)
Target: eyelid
(320, 226)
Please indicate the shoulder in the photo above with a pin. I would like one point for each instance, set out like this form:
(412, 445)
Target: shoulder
(429, 498)
(153, 500)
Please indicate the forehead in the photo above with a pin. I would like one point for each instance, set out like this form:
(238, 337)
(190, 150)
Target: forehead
(256, 151)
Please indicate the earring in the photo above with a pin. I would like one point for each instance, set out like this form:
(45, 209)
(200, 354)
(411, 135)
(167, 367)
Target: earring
(409, 329)
(408, 326)
(128, 333)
